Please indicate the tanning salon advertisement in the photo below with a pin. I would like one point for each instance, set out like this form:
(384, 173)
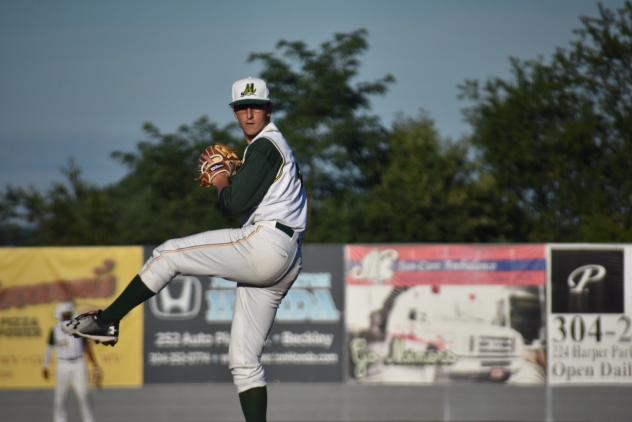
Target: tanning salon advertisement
(187, 326)
(446, 313)
(590, 318)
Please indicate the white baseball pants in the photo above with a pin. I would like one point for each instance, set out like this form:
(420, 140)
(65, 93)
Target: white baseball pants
(72, 373)
(262, 259)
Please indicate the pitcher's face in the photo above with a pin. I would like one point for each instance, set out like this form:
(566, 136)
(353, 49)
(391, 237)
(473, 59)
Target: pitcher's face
(252, 118)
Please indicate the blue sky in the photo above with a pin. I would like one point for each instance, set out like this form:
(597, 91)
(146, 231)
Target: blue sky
(78, 78)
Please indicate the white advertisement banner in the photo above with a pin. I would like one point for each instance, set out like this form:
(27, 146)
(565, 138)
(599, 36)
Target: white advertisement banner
(445, 313)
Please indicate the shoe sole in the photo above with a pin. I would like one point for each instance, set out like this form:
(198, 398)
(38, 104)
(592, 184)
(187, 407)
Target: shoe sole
(105, 340)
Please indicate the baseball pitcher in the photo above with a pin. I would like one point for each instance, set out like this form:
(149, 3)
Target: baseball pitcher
(263, 256)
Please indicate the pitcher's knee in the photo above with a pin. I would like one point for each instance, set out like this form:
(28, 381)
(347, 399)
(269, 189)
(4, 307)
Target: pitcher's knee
(169, 245)
(161, 267)
(247, 377)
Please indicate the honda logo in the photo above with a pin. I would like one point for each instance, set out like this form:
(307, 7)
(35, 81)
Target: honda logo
(184, 306)
(580, 277)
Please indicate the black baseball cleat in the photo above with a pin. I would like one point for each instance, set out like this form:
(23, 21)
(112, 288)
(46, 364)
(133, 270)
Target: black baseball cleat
(90, 326)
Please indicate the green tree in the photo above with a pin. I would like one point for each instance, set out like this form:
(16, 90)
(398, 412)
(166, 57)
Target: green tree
(159, 199)
(324, 112)
(70, 213)
(321, 108)
(556, 138)
(431, 191)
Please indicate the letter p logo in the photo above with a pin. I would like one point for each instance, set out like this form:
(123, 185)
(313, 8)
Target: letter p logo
(580, 277)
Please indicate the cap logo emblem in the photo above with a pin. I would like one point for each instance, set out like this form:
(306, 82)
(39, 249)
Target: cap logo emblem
(249, 90)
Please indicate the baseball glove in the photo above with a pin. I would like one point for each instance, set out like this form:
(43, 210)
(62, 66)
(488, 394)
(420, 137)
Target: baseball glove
(216, 159)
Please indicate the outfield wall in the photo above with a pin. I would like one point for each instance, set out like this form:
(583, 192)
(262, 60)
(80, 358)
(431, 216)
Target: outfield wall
(359, 314)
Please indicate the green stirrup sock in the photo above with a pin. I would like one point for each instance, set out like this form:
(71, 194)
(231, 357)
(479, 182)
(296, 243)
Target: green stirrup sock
(254, 404)
(134, 294)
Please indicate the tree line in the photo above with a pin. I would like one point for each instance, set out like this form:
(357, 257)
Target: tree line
(547, 159)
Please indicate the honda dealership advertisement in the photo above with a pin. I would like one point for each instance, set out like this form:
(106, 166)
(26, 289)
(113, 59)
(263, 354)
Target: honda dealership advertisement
(590, 314)
(427, 314)
(187, 326)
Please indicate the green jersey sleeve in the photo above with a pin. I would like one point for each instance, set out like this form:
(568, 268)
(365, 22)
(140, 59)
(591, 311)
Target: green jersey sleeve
(248, 187)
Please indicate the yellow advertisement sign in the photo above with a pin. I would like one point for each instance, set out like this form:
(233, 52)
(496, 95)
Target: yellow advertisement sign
(34, 280)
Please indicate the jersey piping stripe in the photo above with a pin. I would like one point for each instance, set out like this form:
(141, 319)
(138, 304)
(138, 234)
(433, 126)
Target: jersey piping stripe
(209, 245)
(280, 171)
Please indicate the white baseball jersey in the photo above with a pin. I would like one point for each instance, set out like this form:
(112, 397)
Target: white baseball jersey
(285, 200)
(66, 346)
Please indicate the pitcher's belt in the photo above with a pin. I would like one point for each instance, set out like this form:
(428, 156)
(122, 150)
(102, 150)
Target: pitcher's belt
(285, 229)
(280, 226)
(70, 359)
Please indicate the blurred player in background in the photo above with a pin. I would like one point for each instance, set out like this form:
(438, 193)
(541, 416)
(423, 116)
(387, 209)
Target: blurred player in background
(71, 366)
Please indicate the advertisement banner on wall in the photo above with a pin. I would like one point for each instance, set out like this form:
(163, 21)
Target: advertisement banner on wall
(187, 326)
(33, 281)
(444, 313)
(590, 314)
